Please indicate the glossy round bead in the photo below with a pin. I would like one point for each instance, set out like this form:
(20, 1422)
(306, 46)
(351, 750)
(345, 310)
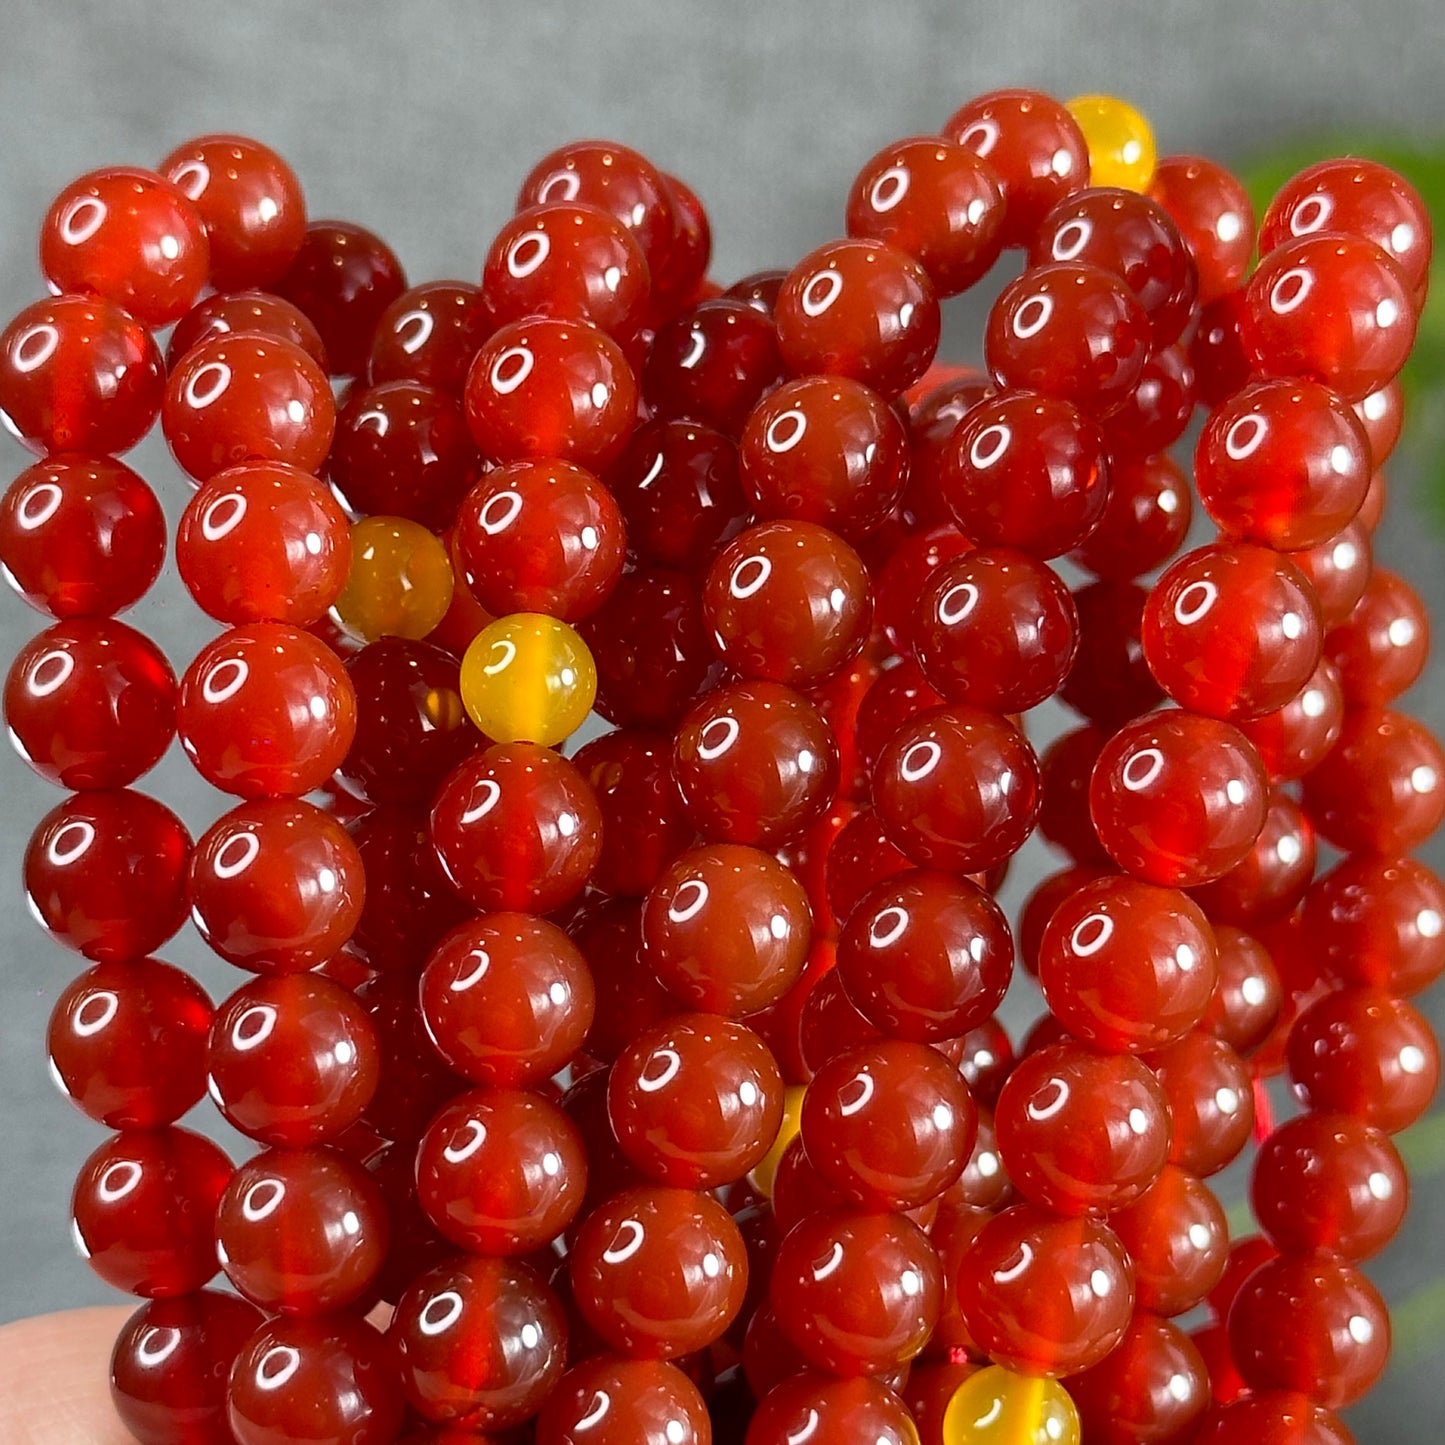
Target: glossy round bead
(890, 1124)
(856, 1409)
(129, 236)
(895, 697)
(1249, 995)
(1045, 1295)
(658, 1272)
(429, 334)
(1159, 409)
(1382, 787)
(302, 1231)
(995, 1406)
(787, 601)
(1070, 331)
(501, 1171)
(277, 886)
(936, 201)
(909, 567)
(860, 309)
(1178, 1240)
(343, 277)
(825, 449)
(925, 956)
(1121, 144)
(143, 1207)
(1273, 1417)
(856, 1294)
(507, 1000)
(726, 929)
(695, 1101)
(1211, 1101)
(1144, 521)
(1330, 307)
(1272, 879)
(1154, 1387)
(545, 388)
(90, 703)
(612, 1400)
(108, 1029)
(1310, 1323)
(1358, 1051)
(400, 583)
(1110, 682)
(528, 678)
(995, 629)
(1034, 147)
(517, 827)
(1126, 965)
(1218, 351)
(1294, 739)
(1381, 648)
(225, 313)
(293, 1061)
(1212, 210)
(78, 374)
(1178, 799)
(1338, 569)
(266, 710)
(81, 536)
(332, 1376)
(1026, 471)
(957, 789)
(171, 1364)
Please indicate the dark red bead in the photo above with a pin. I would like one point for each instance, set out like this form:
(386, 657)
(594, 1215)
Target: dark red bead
(1154, 1386)
(226, 312)
(1178, 1240)
(413, 1082)
(1273, 1417)
(1249, 995)
(1144, 521)
(612, 1400)
(1110, 682)
(1159, 409)
(1294, 739)
(1271, 881)
(430, 334)
(1212, 210)
(1211, 1101)
(1222, 363)
(856, 1409)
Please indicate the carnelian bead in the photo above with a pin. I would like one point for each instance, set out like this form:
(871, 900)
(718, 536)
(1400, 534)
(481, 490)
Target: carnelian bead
(528, 678)
(825, 449)
(507, 999)
(1310, 1323)
(608, 932)
(1294, 739)
(1126, 965)
(957, 789)
(570, 262)
(897, 696)
(332, 1376)
(517, 827)
(78, 374)
(681, 275)
(143, 1208)
(695, 1101)
(1249, 995)
(1159, 409)
(1110, 682)
(1045, 1295)
(263, 542)
(90, 703)
(788, 601)
(857, 1409)
(1381, 648)
(1131, 237)
(108, 1029)
(860, 309)
(1246, 1254)
(1331, 307)
(928, 1392)
(611, 1400)
(937, 202)
(1382, 787)
(1026, 471)
(293, 1060)
(1033, 145)
(105, 874)
(995, 629)
(1143, 523)
(1217, 350)
(1178, 799)
(925, 956)
(1153, 1387)
(171, 1364)
(1081, 1132)
(1338, 569)
(860, 856)
(81, 536)
(430, 334)
(1274, 876)
(1178, 1239)
(343, 277)
(276, 886)
(1382, 414)
(1121, 144)
(246, 398)
(501, 1171)
(856, 1294)
(909, 567)
(1212, 210)
(545, 388)
(414, 1083)
(225, 313)
(1070, 331)
(1273, 1417)
(890, 1124)
(403, 449)
(301, 1231)
(726, 928)
(400, 582)
(1329, 1182)
(1211, 1101)
(756, 763)
(266, 710)
(1358, 1051)
(658, 1272)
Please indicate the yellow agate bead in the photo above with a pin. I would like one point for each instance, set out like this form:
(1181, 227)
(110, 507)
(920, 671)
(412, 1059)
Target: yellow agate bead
(1121, 145)
(528, 678)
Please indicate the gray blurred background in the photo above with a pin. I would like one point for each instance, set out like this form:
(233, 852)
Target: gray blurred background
(420, 119)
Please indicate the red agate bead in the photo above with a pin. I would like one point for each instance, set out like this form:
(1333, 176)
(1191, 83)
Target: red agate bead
(1158, 411)
(225, 313)
(1294, 739)
(846, 1409)
(1217, 350)
(90, 703)
(1153, 1386)
(1144, 520)
(78, 374)
(1178, 1240)
(266, 710)
(1110, 682)
(1211, 1101)
(1381, 648)
(1273, 878)
(1338, 569)
(1249, 995)
(1212, 210)
(1272, 1417)
(430, 334)
(611, 1400)
(860, 309)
